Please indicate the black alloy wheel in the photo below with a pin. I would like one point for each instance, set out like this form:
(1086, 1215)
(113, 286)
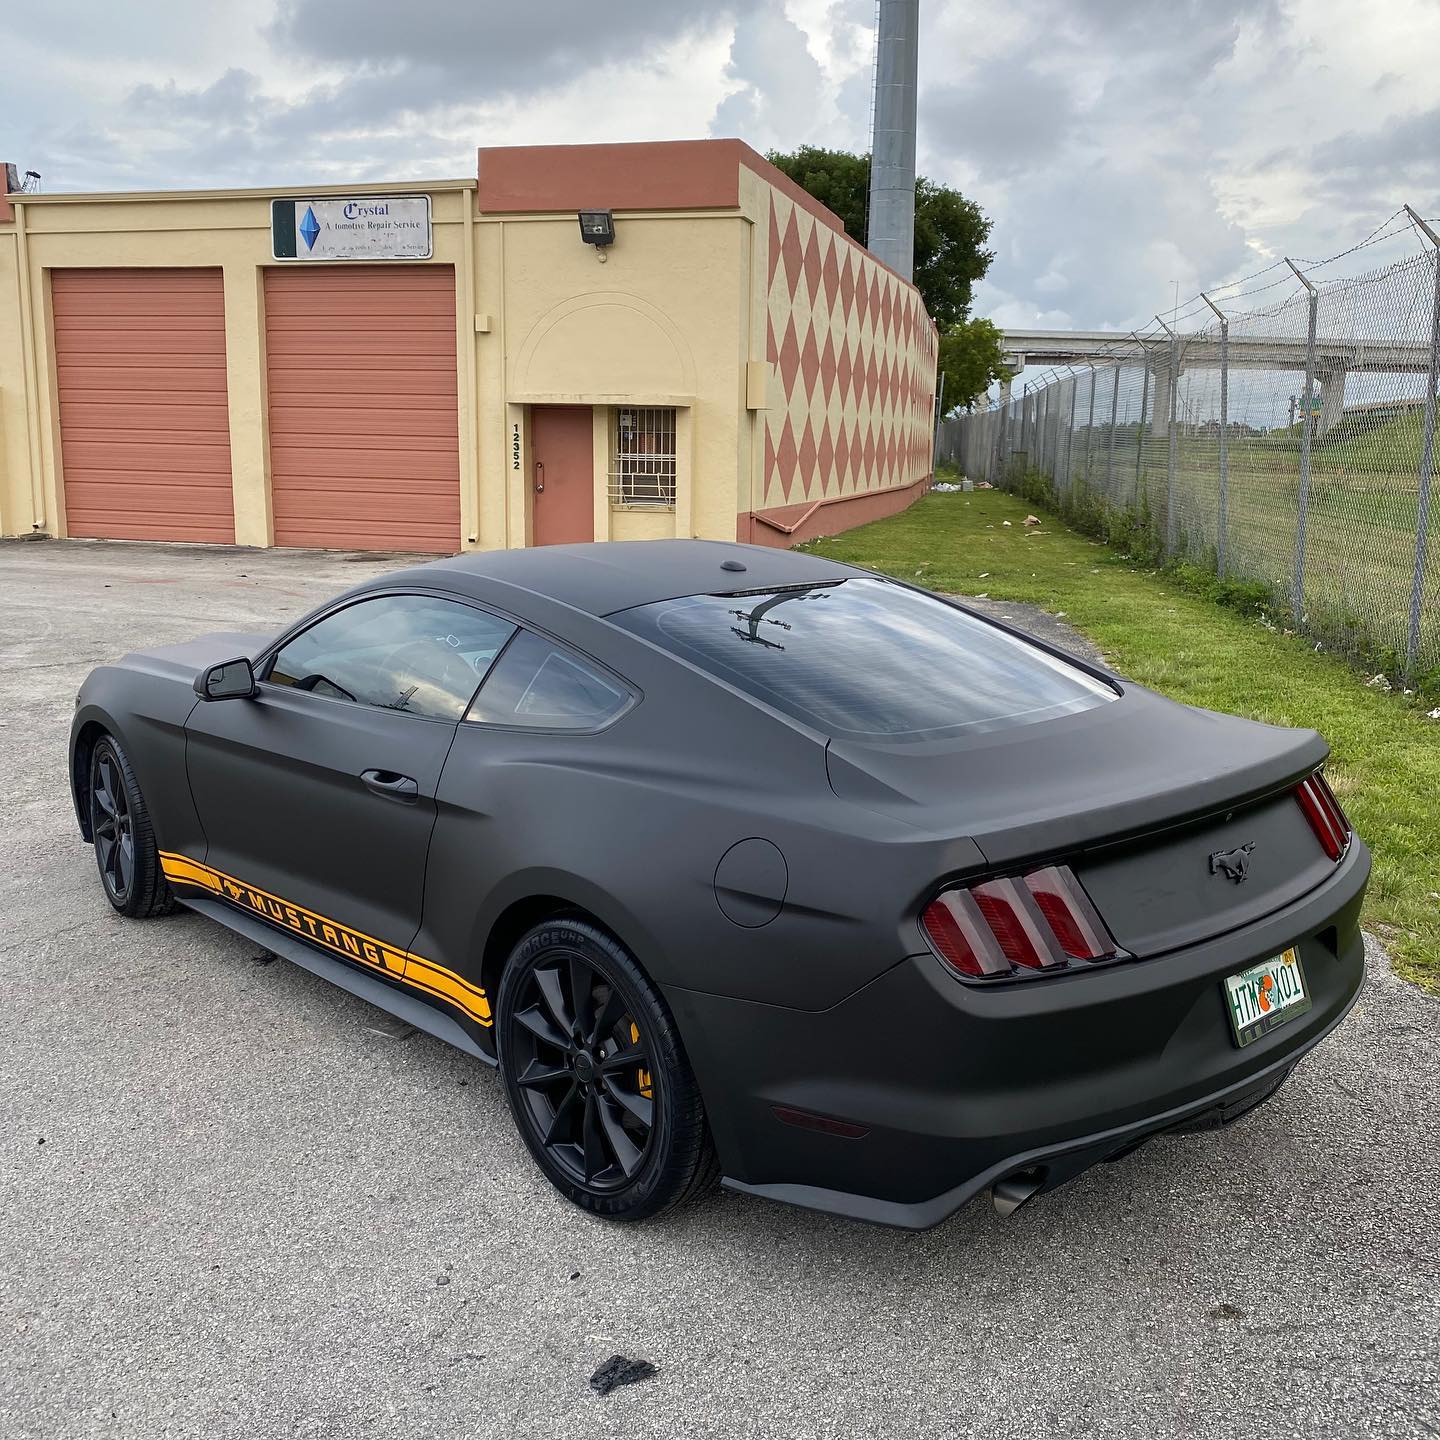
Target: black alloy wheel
(114, 837)
(125, 850)
(599, 1085)
(586, 1074)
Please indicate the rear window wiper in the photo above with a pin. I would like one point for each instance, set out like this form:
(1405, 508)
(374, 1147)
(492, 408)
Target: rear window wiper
(402, 700)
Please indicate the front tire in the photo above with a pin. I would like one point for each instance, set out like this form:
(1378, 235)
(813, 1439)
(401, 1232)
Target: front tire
(597, 1078)
(125, 850)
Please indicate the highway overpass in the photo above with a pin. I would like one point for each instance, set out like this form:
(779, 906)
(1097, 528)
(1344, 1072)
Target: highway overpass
(1334, 359)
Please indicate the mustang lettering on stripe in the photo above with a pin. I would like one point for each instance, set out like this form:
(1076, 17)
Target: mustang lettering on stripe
(353, 945)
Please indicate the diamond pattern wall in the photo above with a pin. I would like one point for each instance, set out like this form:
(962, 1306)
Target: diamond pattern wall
(854, 358)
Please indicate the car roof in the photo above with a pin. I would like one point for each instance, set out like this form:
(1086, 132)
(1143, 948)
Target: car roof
(602, 578)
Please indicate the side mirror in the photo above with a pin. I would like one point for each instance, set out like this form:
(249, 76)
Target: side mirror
(230, 680)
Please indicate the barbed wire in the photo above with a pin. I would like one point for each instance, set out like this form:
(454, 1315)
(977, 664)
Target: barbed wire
(1243, 279)
(1373, 238)
(1123, 349)
(1195, 304)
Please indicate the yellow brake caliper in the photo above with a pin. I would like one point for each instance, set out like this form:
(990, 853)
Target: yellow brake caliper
(642, 1075)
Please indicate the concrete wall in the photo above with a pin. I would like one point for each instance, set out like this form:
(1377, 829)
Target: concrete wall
(852, 355)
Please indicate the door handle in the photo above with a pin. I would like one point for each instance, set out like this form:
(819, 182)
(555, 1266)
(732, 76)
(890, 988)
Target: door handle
(539, 477)
(391, 785)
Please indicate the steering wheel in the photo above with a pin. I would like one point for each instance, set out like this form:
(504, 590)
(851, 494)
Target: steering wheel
(432, 661)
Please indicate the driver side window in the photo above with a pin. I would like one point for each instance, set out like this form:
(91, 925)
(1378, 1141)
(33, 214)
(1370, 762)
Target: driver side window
(414, 653)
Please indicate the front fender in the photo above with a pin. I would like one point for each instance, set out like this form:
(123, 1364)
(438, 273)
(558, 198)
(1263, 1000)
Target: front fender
(90, 722)
(146, 713)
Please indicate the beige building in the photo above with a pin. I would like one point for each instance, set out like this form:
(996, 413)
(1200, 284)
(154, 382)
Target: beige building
(460, 364)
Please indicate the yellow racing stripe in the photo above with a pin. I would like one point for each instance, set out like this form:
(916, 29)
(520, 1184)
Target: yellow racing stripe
(343, 940)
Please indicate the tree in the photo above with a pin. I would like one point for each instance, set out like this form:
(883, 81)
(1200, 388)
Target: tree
(971, 356)
(836, 178)
(950, 231)
(950, 256)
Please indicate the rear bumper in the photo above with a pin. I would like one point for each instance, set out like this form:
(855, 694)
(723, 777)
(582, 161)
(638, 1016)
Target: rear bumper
(960, 1086)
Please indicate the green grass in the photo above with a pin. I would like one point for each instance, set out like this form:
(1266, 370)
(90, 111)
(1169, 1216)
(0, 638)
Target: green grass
(1360, 533)
(1386, 754)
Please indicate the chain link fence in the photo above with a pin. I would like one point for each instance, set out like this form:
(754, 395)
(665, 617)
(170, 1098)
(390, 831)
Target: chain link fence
(1290, 445)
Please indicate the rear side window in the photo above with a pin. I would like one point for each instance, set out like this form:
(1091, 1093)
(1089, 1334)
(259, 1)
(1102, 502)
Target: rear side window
(541, 685)
(864, 659)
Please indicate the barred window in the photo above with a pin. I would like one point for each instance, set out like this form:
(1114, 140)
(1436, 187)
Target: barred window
(642, 456)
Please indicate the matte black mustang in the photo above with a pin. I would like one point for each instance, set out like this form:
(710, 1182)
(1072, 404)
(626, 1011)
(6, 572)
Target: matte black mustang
(740, 860)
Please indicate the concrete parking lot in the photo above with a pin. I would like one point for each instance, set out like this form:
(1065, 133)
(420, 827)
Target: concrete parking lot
(238, 1204)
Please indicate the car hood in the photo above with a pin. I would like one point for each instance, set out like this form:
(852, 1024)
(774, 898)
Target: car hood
(1136, 764)
(190, 657)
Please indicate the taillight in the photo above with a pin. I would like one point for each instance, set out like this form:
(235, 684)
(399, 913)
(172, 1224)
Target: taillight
(1023, 934)
(1075, 921)
(960, 936)
(1039, 921)
(1326, 818)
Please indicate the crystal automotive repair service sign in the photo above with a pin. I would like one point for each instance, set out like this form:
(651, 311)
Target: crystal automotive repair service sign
(376, 227)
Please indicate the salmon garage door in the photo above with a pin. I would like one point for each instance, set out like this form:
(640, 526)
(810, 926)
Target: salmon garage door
(144, 424)
(364, 431)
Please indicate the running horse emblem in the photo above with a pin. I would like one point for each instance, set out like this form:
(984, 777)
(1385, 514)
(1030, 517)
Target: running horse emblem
(1233, 864)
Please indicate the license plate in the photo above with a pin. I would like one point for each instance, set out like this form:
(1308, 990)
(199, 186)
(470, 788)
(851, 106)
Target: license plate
(1266, 995)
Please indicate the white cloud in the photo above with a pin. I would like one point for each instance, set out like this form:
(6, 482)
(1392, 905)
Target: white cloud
(779, 97)
(1119, 145)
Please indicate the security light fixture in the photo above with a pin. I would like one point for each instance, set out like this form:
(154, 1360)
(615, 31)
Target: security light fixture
(597, 228)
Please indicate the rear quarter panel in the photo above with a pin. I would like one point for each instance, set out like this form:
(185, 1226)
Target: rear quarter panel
(631, 824)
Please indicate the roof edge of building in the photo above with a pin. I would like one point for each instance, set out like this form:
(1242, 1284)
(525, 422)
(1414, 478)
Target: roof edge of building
(245, 192)
(629, 175)
(637, 175)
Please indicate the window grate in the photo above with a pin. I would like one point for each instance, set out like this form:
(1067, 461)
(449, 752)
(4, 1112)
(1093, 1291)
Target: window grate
(642, 457)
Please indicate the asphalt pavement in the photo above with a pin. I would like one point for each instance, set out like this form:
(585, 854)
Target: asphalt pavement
(239, 1202)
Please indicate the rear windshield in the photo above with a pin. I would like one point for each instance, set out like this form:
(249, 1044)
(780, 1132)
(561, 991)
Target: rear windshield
(864, 659)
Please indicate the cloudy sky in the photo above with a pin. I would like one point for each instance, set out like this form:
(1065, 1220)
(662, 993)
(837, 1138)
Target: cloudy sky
(1119, 145)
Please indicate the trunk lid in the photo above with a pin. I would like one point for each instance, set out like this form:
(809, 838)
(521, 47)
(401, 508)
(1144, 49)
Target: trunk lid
(1136, 796)
(1159, 892)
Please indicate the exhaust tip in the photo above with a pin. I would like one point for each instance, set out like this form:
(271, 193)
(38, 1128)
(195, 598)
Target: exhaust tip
(1010, 1193)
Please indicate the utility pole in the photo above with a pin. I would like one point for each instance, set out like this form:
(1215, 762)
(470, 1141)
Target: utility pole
(891, 230)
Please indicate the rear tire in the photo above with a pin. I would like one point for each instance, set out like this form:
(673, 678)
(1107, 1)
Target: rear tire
(598, 1081)
(125, 850)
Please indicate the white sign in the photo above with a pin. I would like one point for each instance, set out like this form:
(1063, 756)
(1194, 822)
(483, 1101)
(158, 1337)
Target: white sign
(362, 227)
